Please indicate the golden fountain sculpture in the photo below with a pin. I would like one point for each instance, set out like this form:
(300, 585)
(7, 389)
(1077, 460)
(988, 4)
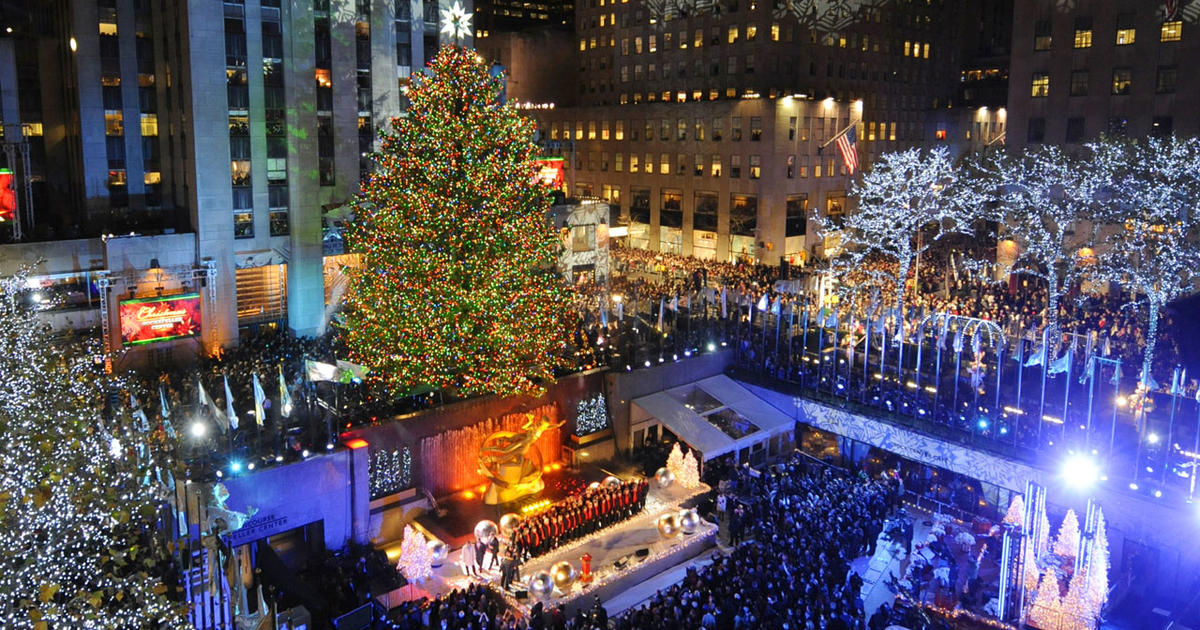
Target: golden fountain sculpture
(512, 467)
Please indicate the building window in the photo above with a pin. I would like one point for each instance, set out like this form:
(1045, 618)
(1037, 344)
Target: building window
(735, 167)
(1037, 130)
(755, 129)
(755, 166)
(279, 223)
(751, 32)
(1041, 35)
(698, 162)
(618, 162)
(633, 162)
(715, 170)
(681, 129)
(699, 129)
(1083, 32)
(1164, 83)
(1126, 34)
(797, 215)
(733, 34)
(1040, 85)
(717, 129)
(1171, 31)
(1079, 82)
(619, 133)
(664, 164)
(243, 225)
(735, 129)
(652, 44)
(1122, 80)
(1074, 130)
(791, 167)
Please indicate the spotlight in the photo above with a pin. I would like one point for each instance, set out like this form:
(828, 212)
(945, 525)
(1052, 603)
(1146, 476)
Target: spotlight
(279, 459)
(687, 353)
(219, 475)
(983, 424)
(198, 429)
(1133, 486)
(647, 362)
(304, 453)
(1152, 438)
(1080, 471)
(329, 446)
(675, 357)
(1158, 494)
(628, 368)
(235, 466)
(712, 347)
(250, 466)
(1003, 430)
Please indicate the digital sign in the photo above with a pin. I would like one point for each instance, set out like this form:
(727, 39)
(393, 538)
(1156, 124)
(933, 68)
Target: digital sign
(8, 196)
(551, 172)
(147, 320)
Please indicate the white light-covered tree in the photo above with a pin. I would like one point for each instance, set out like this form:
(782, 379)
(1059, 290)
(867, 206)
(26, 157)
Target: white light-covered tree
(1046, 204)
(77, 544)
(1150, 247)
(689, 474)
(1046, 609)
(1078, 611)
(1067, 543)
(1098, 581)
(1016, 511)
(906, 201)
(416, 561)
(675, 460)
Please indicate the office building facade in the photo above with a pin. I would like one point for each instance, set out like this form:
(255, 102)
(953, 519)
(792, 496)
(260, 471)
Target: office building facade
(245, 124)
(1117, 68)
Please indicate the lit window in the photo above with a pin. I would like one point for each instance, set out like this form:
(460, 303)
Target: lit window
(1083, 32)
(114, 124)
(152, 177)
(1041, 85)
(1122, 80)
(1041, 35)
(774, 32)
(149, 125)
(620, 130)
(1171, 31)
(715, 171)
(653, 43)
(1126, 34)
(324, 78)
(751, 32)
(733, 34)
(108, 28)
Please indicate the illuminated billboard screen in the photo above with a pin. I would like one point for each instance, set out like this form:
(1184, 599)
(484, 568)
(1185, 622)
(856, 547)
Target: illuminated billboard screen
(8, 196)
(550, 172)
(147, 320)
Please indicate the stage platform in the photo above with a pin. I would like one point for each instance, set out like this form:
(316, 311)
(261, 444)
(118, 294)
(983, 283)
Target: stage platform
(618, 543)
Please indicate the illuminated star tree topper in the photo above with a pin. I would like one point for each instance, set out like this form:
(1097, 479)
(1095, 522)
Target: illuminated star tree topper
(456, 22)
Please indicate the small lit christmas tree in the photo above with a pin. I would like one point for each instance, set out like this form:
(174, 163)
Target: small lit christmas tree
(457, 286)
(416, 561)
(675, 461)
(1098, 584)
(1067, 543)
(1043, 542)
(1078, 609)
(689, 474)
(1016, 511)
(1031, 567)
(1046, 610)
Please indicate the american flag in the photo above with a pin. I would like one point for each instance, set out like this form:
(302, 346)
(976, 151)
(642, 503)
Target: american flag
(845, 144)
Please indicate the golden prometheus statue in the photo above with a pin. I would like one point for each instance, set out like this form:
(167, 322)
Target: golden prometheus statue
(512, 467)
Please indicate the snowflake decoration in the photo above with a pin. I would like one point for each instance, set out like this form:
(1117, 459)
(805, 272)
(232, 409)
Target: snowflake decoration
(1065, 6)
(827, 15)
(591, 415)
(456, 22)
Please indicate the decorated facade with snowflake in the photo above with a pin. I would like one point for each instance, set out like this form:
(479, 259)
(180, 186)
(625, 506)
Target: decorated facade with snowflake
(591, 415)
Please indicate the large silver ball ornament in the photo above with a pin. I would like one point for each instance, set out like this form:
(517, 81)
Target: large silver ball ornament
(689, 520)
(664, 477)
(485, 531)
(438, 552)
(541, 584)
(611, 482)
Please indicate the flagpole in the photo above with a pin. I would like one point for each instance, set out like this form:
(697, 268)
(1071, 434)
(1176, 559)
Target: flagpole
(1067, 389)
(867, 355)
(791, 333)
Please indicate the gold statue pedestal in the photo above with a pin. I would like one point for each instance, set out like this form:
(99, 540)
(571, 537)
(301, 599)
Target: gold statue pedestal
(513, 482)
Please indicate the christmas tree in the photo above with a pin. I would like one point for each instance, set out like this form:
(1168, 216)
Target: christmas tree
(675, 461)
(689, 473)
(1016, 511)
(1031, 567)
(457, 285)
(1067, 543)
(416, 561)
(1098, 566)
(1043, 540)
(1079, 612)
(1046, 610)
(76, 542)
